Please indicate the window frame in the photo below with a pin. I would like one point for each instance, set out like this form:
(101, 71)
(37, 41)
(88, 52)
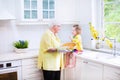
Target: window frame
(103, 29)
(22, 11)
(48, 10)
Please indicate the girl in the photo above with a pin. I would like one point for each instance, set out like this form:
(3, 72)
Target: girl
(77, 38)
(70, 57)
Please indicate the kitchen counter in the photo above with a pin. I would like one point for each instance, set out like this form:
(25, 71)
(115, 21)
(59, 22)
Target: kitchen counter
(97, 57)
(16, 56)
(102, 58)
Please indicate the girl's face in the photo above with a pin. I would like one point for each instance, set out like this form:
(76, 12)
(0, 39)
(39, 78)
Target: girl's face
(74, 32)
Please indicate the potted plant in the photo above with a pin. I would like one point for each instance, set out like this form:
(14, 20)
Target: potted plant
(21, 46)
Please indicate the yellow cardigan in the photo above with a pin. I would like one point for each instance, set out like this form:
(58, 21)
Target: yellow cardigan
(77, 39)
(50, 61)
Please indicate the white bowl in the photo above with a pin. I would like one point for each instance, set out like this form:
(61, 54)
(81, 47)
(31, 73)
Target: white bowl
(20, 50)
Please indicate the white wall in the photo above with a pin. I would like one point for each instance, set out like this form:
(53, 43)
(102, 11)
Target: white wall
(85, 16)
(83, 13)
(89, 11)
(65, 10)
(78, 10)
(10, 32)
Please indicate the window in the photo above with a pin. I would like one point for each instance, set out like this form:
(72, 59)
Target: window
(48, 9)
(112, 20)
(30, 9)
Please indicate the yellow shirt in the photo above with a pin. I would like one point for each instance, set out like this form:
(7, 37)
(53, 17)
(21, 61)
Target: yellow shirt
(46, 60)
(77, 39)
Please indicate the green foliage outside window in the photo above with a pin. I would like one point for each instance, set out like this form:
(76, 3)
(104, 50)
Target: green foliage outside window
(112, 19)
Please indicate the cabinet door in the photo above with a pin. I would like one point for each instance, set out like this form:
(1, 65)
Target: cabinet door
(78, 69)
(30, 70)
(111, 73)
(91, 71)
(73, 73)
(69, 74)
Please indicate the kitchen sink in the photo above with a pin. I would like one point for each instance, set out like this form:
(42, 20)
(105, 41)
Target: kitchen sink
(108, 58)
(104, 56)
(115, 60)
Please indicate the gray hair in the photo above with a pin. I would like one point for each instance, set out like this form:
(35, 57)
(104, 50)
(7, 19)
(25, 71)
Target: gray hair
(52, 23)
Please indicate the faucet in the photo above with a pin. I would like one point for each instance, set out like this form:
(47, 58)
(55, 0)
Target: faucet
(98, 46)
(114, 53)
(114, 47)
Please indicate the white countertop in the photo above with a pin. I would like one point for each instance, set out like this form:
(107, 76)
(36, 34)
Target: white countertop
(102, 58)
(98, 57)
(16, 56)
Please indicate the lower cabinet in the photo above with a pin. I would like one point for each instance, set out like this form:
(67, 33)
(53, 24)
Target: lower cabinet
(69, 74)
(111, 73)
(73, 73)
(30, 70)
(91, 71)
(84, 70)
(78, 69)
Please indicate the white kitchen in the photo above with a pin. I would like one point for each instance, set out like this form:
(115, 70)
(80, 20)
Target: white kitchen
(26, 21)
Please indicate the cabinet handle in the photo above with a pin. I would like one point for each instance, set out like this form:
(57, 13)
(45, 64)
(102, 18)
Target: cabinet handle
(85, 62)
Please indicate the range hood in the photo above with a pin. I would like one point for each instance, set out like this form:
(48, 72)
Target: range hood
(6, 15)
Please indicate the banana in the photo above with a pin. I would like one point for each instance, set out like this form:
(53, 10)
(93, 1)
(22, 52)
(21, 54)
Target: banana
(94, 32)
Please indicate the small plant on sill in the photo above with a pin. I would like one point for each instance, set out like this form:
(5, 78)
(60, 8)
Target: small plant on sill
(20, 46)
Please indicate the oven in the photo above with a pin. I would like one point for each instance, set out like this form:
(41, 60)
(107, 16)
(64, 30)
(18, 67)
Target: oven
(10, 70)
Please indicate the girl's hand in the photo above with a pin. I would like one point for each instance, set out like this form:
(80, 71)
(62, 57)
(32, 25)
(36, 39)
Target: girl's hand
(70, 37)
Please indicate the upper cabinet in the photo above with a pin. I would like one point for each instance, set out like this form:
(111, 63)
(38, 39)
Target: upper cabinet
(7, 10)
(29, 9)
(46, 10)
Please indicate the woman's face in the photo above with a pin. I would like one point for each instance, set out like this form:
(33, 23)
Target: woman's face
(57, 28)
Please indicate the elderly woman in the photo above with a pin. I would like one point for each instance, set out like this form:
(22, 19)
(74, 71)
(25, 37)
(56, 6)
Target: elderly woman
(49, 60)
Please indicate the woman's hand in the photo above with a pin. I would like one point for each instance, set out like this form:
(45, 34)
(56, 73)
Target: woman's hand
(51, 50)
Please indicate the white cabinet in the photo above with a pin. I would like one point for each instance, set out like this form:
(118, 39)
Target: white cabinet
(73, 73)
(30, 70)
(78, 69)
(111, 73)
(91, 71)
(69, 74)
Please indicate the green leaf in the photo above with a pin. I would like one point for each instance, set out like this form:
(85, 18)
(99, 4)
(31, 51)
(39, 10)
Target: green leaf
(21, 44)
